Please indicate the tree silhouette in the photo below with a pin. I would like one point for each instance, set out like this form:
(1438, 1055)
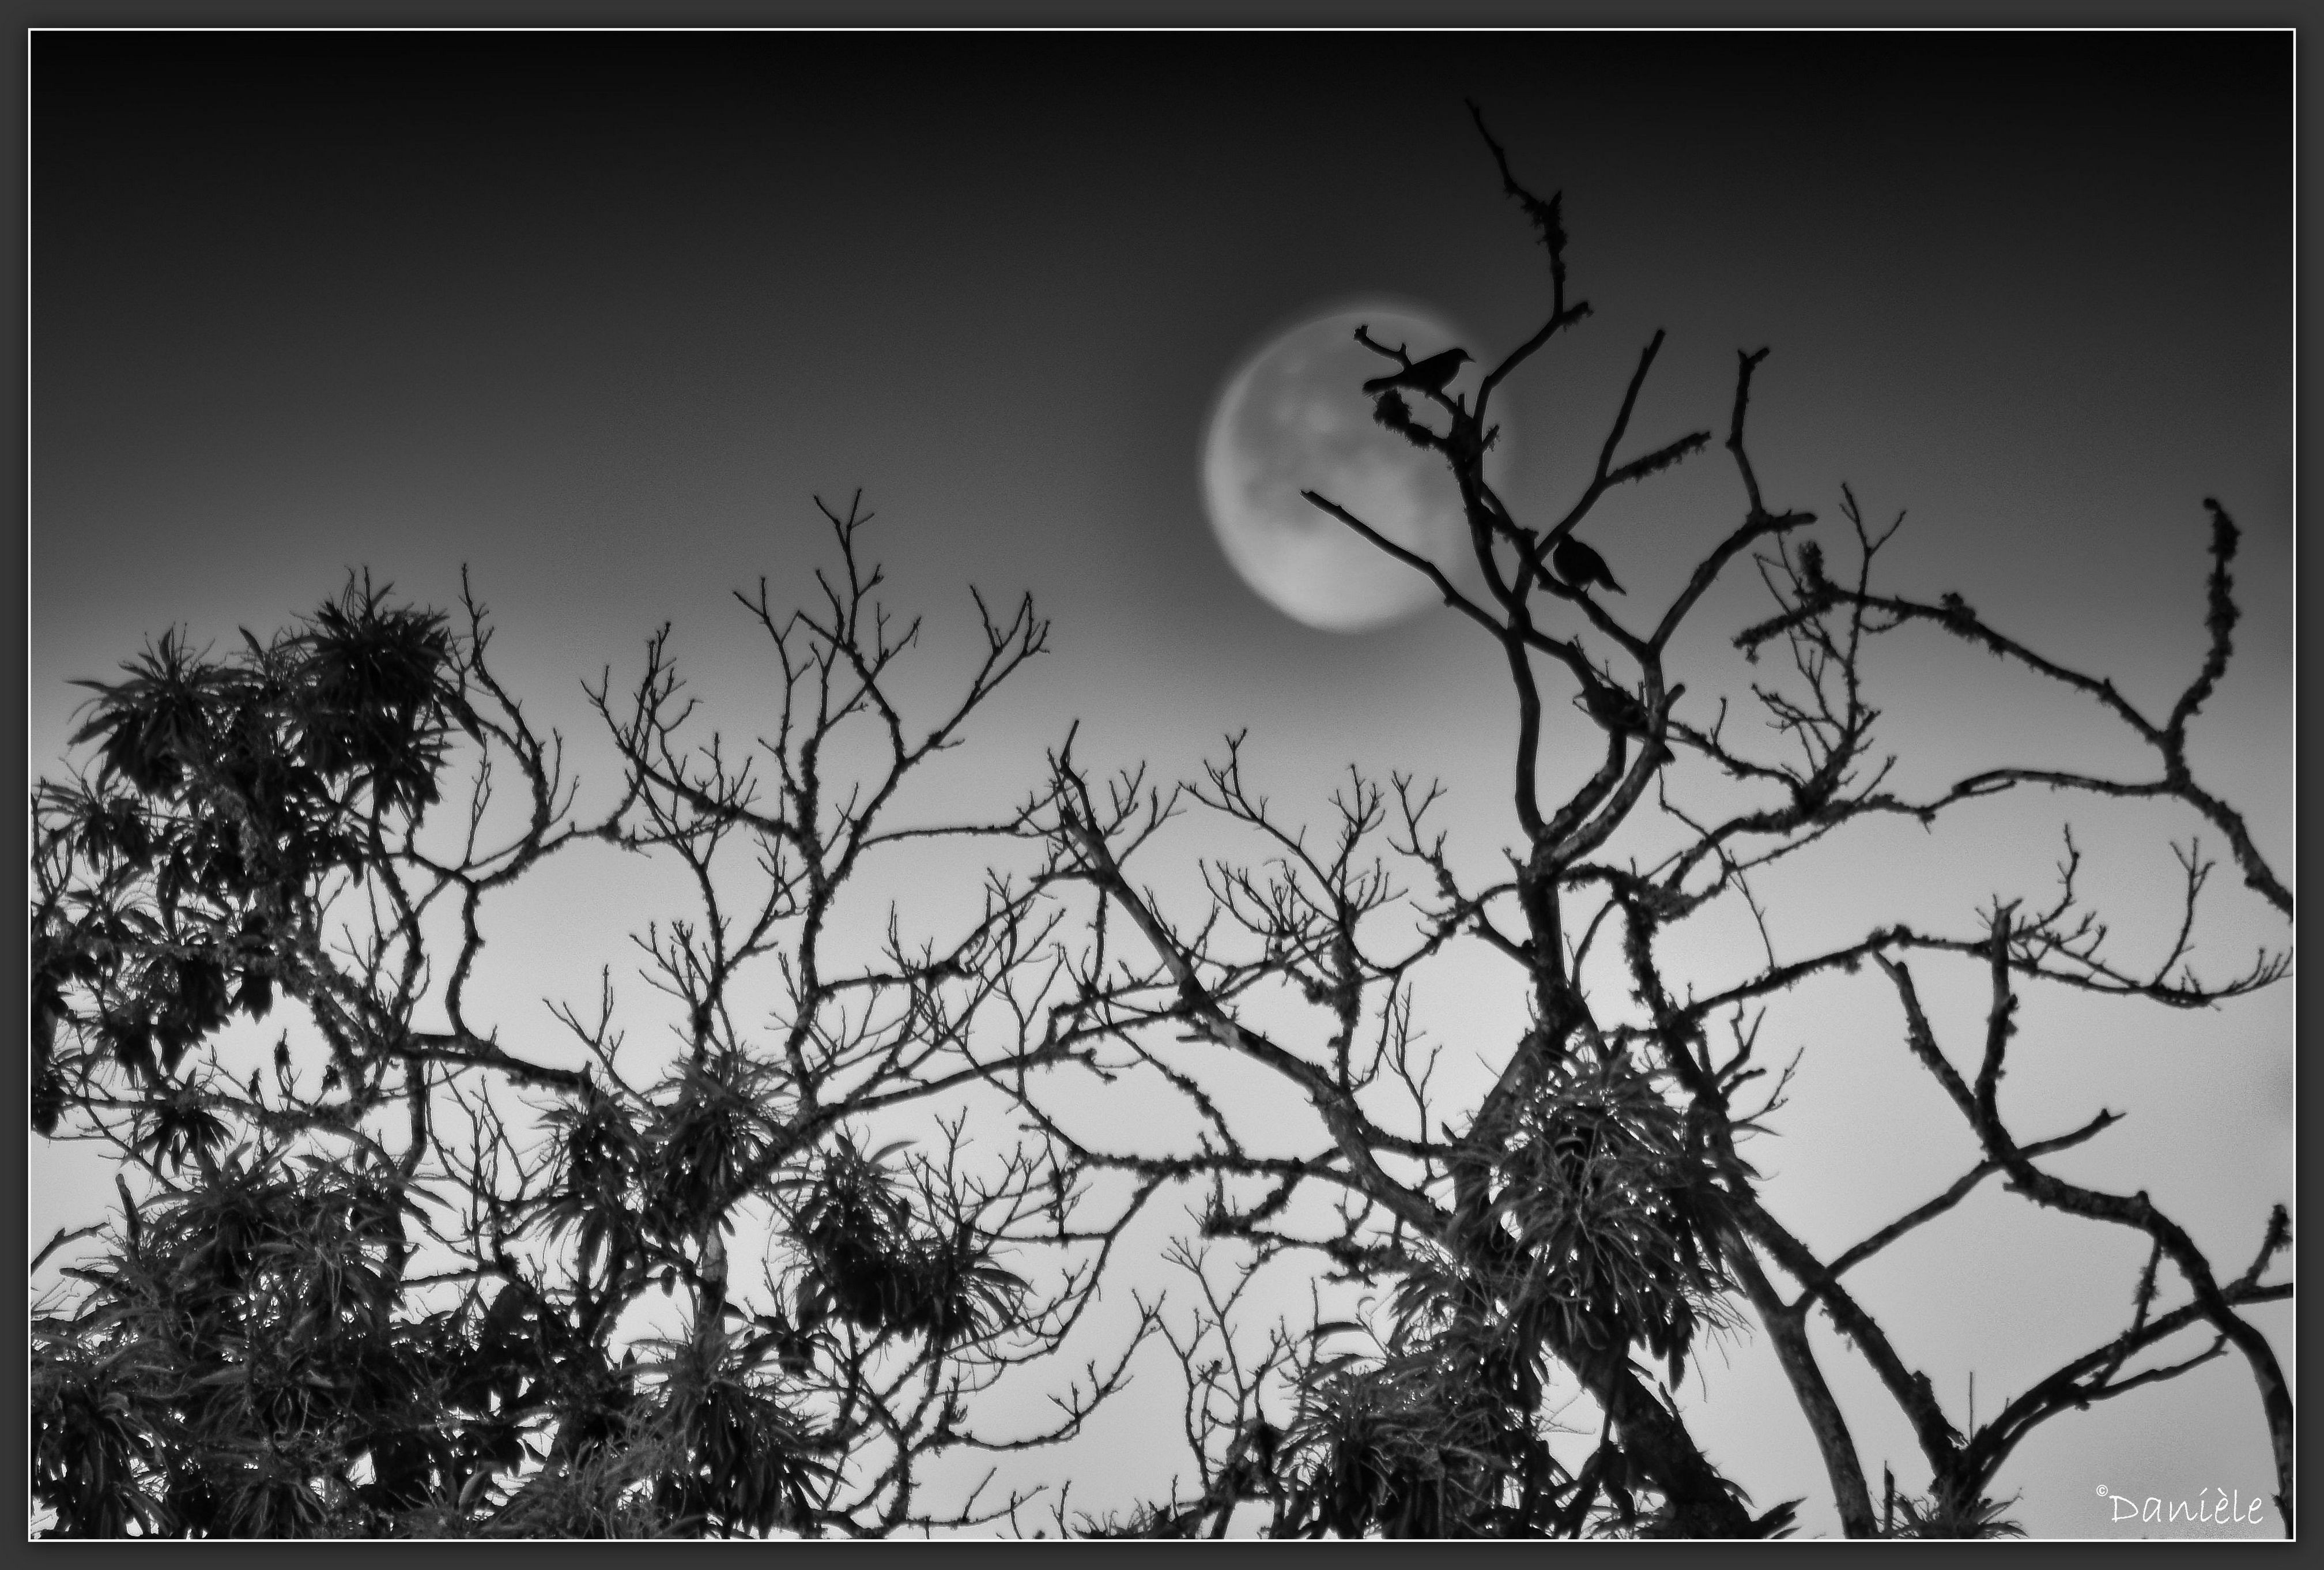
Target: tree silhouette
(1588, 1213)
(406, 1269)
(410, 1294)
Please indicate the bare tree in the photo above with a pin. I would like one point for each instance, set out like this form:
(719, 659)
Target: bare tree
(1593, 1205)
(408, 1269)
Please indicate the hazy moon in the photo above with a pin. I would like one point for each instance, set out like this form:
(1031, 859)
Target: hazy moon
(1295, 417)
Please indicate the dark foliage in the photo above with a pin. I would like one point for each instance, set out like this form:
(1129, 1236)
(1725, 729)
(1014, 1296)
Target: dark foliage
(413, 1273)
(397, 1306)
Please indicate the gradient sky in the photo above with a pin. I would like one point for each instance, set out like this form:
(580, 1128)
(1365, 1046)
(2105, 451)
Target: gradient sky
(596, 315)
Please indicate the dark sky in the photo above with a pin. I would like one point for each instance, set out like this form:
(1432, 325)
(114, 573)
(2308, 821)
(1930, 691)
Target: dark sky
(515, 299)
(597, 314)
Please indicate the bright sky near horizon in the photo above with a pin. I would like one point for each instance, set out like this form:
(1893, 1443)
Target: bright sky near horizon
(594, 317)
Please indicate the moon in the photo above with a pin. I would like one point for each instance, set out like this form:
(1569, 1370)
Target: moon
(1295, 417)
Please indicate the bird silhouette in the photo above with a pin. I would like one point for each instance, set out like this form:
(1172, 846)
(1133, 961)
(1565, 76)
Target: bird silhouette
(1581, 567)
(1428, 375)
(1615, 708)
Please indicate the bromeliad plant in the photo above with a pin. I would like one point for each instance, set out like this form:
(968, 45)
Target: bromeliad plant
(402, 1271)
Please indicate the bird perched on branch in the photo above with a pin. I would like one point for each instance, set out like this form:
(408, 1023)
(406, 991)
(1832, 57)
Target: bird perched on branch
(1428, 375)
(1581, 567)
(1616, 708)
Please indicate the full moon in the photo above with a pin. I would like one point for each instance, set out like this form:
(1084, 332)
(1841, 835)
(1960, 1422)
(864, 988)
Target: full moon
(1295, 417)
